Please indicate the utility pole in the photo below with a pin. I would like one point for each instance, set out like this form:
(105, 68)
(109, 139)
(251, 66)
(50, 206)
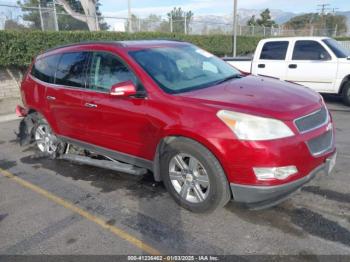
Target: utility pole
(334, 10)
(185, 29)
(96, 21)
(55, 15)
(323, 8)
(234, 38)
(129, 17)
(335, 30)
(171, 22)
(41, 18)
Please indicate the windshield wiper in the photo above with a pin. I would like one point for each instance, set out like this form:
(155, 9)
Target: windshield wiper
(228, 78)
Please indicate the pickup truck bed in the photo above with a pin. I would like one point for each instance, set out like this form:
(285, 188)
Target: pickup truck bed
(242, 63)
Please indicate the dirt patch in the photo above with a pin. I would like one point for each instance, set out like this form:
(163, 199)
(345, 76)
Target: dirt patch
(6, 164)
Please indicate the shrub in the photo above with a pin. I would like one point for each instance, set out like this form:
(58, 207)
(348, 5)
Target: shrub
(18, 48)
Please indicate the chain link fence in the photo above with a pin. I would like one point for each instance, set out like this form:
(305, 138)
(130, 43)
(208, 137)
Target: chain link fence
(53, 17)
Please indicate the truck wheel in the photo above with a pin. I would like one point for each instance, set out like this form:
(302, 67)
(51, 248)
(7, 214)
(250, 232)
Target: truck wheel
(193, 176)
(44, 138)
(346, 93)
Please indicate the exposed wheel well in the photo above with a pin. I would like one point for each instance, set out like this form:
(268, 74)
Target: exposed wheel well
(31, 110)
(161, 146)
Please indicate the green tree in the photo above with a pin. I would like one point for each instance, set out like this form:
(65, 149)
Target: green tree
(177, 16)
(338, 22)
(265, 19)
(317, 21)
(11, 24)
(151, 23)
(252, 21)
(134, 24)
(65, 21)
(301, 21)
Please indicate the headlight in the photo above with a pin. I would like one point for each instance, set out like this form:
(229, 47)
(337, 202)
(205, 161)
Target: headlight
(249, 127)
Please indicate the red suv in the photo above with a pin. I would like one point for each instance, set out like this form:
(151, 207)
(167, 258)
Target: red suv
(208, 131)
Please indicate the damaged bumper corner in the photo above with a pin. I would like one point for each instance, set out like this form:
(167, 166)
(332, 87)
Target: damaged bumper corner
(21, 111)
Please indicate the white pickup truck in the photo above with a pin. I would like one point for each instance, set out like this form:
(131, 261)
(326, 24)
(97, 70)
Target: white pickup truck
(319, 63)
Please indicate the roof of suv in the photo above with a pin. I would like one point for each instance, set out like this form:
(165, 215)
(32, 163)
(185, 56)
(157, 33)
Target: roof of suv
(126, 44)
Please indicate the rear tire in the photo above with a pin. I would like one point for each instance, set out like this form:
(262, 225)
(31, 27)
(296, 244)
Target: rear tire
(46, 141)
(193, 176)
(346, 93)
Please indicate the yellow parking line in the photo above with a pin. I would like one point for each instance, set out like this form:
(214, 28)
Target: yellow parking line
(60, 201)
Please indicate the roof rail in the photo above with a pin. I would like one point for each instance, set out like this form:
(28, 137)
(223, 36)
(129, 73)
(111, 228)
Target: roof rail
(120, 43)
(83, 43)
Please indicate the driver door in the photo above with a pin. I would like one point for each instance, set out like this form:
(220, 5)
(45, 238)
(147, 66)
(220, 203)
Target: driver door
(112, 122)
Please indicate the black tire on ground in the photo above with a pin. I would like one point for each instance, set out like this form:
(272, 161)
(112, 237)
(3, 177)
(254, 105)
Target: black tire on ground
(40, 120)
(219, 193)
(346, 93)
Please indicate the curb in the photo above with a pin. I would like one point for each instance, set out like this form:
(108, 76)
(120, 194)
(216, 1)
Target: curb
(9, 117)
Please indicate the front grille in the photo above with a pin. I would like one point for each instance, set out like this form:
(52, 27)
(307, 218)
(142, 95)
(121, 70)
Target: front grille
(321, 144)
(312, 121)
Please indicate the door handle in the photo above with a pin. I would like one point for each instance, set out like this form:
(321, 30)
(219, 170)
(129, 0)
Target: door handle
(51, 98)
(89, 105)
(292, 66)
(261, 65)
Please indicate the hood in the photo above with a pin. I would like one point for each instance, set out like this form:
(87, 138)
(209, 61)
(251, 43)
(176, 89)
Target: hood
(262, 96)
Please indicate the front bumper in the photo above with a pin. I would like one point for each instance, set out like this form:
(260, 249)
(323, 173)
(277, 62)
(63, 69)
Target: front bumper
(259, 197)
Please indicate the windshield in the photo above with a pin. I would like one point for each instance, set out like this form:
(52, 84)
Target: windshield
(338, 50)
(183, 68)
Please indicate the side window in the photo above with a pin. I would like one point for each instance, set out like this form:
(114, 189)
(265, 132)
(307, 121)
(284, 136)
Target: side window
(44, 68)
(107, 70)
(309, 50)
(71, 69)
(275, 50)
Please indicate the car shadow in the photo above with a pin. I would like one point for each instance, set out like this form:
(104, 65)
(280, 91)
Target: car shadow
(104, 179)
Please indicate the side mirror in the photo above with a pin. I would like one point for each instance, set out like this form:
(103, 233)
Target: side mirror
(123, 89)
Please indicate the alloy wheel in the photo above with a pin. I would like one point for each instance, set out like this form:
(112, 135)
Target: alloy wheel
(45, 139)
(189, 178)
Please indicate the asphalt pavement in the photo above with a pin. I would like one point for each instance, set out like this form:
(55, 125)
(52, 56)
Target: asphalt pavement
(56, 207)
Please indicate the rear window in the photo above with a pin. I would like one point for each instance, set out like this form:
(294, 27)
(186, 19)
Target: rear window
(44, 68)
(275, 50)
(71, 69)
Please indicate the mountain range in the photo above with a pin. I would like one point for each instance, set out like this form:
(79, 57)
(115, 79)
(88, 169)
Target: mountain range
(202, 22)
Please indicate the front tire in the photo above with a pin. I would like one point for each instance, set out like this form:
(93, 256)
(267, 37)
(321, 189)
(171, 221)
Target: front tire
(346, 93)
(193, 176)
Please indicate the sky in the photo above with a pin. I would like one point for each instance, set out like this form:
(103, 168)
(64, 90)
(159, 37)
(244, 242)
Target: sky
(143, 8)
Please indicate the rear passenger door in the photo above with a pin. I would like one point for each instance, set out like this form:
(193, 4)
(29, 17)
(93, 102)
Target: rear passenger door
(116, 123)
(65, 96)
(272, 60)
(42, 78)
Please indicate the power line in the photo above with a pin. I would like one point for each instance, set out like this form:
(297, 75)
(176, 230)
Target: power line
(323, 8)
